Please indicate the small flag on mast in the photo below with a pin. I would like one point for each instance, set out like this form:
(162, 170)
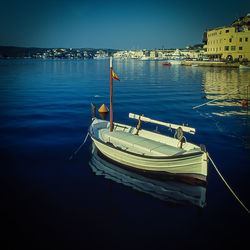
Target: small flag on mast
(115, 76)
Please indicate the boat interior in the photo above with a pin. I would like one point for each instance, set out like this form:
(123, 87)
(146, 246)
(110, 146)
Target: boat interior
(141, 141)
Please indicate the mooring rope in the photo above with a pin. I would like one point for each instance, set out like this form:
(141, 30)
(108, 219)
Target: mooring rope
(71, 157)
(215, 99)
(227, 184)
(220, 97)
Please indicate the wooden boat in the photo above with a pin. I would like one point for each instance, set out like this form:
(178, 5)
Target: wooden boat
(170, 191)
(166, 64)
(148, 151)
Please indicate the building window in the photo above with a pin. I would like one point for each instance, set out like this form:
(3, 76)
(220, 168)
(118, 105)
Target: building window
(227, 31)
(240, 56)
(240, 48)
(233, 48)
(240, 39)
(246, 39)
(226, 48)
(230, 40)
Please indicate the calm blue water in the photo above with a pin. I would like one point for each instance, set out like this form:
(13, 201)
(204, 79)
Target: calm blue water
(49, 201)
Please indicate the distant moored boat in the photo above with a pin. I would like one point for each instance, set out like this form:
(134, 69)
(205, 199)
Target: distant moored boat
(242, 66)
(166, 64)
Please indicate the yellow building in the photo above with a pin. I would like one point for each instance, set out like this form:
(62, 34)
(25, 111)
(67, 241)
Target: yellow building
(229, 42)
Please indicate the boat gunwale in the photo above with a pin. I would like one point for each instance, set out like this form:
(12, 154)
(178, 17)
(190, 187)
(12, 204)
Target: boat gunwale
(144, 156)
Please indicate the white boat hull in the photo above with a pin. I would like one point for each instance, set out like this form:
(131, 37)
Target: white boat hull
(192, 165)
(242, 66)
(170, 191)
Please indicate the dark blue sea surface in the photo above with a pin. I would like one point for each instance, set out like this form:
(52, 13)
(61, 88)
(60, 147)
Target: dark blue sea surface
(51, 202)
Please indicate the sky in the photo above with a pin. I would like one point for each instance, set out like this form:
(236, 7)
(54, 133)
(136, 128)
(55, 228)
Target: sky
(120, 24)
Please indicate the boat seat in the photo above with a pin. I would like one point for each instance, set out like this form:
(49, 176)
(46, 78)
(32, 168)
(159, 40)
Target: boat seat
(145, 146)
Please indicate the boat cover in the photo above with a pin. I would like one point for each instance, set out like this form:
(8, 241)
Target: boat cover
(128, 141)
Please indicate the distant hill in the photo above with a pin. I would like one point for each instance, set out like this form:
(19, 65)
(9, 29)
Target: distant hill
(22, 52)
(18, 52)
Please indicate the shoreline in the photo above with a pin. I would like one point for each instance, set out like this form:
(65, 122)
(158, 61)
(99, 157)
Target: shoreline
(210, 64)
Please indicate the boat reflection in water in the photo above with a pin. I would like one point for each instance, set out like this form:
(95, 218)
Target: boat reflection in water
(170, 191)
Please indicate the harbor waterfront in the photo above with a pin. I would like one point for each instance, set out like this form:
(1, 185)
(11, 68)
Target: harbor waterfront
(50, 201)
(210, 64)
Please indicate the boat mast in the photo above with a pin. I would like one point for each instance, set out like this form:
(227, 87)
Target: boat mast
(111, 96)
